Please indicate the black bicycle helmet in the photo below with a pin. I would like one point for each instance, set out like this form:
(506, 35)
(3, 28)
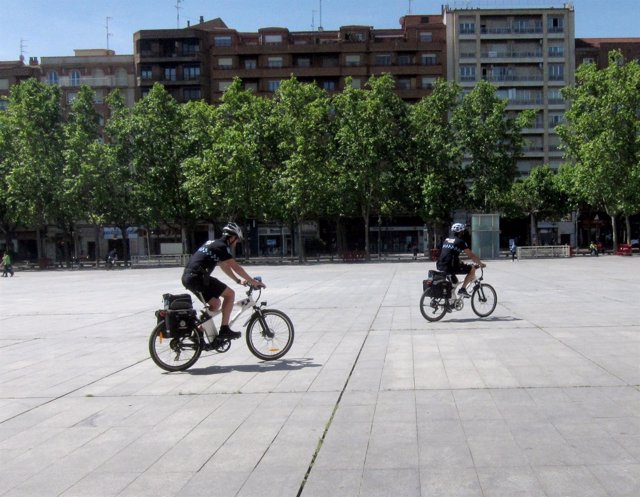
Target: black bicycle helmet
(232, 229)
(458, 228)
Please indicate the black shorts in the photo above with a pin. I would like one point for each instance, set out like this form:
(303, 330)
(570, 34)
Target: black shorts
(206, 287)
(462, 268)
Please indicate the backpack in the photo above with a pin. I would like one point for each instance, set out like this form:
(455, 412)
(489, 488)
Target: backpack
(436, 285)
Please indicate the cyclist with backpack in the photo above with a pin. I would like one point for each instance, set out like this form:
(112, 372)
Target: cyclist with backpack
(197, 275)
(449, 260)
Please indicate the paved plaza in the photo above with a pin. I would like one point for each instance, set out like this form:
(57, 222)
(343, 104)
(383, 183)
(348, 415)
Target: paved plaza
(542, 399)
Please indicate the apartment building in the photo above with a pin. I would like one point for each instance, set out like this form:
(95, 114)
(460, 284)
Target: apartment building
(200, 61)
(529, 55)
(13, 72)
(596, 50)
(101, 69)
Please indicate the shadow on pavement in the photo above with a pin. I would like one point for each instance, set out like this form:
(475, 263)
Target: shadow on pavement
(263, 367)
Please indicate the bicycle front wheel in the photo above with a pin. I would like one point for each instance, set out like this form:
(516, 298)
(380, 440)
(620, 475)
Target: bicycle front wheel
(174, 354)
(269, 334)
(432, 309)
(484, 300)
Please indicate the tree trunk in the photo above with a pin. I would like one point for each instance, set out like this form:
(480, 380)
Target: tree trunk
(97, 241)
(533, 231)
(614, 229)
(365, 215)
(301, 257)
(183, 238)
(627, 224)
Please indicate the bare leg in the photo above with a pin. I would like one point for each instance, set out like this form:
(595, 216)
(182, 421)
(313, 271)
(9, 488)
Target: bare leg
(228, 296)
(469, 277)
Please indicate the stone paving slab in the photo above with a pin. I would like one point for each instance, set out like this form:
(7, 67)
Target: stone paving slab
(540, 399)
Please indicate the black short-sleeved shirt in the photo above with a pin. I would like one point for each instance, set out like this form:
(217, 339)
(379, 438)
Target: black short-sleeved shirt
(449, 260)
(208, 256)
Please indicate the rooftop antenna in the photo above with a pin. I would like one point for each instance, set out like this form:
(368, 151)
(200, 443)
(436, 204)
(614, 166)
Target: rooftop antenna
(109, 34)
(22, 48)
(320, 28)
(313, 20)
(178, 8)
(409, 7)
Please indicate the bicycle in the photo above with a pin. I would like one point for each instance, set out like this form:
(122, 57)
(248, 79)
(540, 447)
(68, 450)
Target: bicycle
(180, 336)
(434, 304)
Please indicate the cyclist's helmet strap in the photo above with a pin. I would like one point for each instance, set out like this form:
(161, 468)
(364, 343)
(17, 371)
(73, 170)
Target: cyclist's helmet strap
(232, 229)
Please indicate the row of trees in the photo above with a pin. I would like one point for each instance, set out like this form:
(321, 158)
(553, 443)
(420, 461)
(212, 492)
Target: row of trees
(302, 155)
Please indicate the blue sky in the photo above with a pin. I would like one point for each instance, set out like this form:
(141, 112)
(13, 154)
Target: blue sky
(57, 27)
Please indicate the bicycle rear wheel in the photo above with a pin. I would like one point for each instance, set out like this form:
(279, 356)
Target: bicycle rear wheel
(432, 309)
(174, 354)
(269, 334)
(484, 300)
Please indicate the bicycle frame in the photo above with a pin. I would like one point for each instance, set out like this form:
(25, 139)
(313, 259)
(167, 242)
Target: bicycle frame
(250, 301)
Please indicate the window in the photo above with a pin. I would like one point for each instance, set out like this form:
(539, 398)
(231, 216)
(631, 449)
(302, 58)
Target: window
(250, 64)
(146, 72)
(122, 77)
(383, 59)
(52, 78)
(467, 73)
(403, 84)
(467, 28)
(426, 36)
(222, 41)
(273, 84)
(329, 85)
(170, 73)
(192, 72)
(404, 60)
(588, 60)
(554, 120)
(251, 86)
(428, 59)
(99, 96)
(4, 84)
(272, 39)
(71, 96)
(274, 62)
(145, 47)
(352, 60)
(557, 51)
(190, 47)
(191, 94)
(555, 97)
(329, 62)
(225, 63)
(555, 24)
(223, 85)
(74, 78)
(354, 37)
(428, 82)
(356, 83)
(4, 104)
(304, 62)
(556, 72)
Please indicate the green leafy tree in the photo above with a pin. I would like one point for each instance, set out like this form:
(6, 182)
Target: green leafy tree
(538, 196)
(601, 137)
(8, 220)
(81, 131)
(227, 182)
(370, 144)
(303, 186)
(437, 184)
(157, 131)
(34, 153)
(492, 144)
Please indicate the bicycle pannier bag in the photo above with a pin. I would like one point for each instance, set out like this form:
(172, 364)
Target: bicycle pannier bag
(180, 321)
(180, 301)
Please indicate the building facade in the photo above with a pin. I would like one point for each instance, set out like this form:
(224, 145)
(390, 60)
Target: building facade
(596, 50)
(528, 54)
(200, 61)
(12, 72)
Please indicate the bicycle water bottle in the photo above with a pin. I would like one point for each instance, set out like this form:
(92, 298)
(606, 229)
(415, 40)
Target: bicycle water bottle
(209, 329)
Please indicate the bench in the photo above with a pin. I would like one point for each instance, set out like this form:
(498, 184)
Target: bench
(624, 249)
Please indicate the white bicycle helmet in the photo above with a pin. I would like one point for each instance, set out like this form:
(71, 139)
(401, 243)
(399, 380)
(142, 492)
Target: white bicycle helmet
(232, 229)
(458, 227)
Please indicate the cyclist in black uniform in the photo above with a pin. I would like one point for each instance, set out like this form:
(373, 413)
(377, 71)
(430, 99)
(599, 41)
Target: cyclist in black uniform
(449, 260)
(197, 275)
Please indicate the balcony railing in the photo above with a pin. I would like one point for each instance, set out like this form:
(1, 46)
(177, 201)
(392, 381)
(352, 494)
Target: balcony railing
(511, 55)
(512, 77)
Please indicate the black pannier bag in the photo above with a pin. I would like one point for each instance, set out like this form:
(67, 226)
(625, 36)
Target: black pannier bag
(180, 322)
(180, 301)
(436, 285)
(179, 315)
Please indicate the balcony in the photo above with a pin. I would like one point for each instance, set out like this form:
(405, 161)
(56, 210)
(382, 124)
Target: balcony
(512, 78)
(520, 54)
(94, 82)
